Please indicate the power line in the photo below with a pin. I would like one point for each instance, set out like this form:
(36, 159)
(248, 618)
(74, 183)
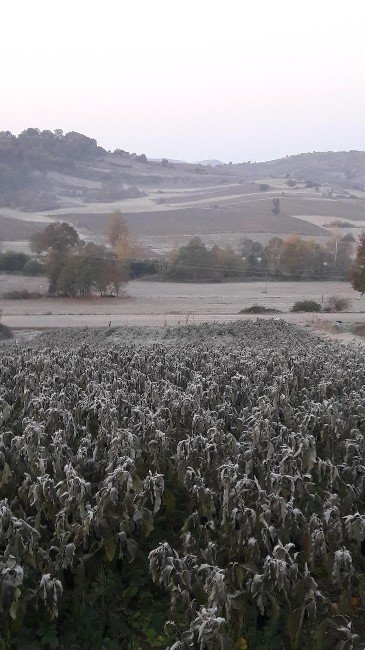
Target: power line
(209, 267)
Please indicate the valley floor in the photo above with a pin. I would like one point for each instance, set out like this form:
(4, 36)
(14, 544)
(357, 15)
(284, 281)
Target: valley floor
(164, 303)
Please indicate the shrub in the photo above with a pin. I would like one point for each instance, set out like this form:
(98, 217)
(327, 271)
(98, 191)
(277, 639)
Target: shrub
(259, 309)
(337, 303)
(12, 261)
(306, 305)
(34, 267)
(5, 332)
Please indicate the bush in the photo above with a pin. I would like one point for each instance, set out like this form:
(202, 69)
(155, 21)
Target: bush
(13, 262)
(337, 303)
(5, 332)
(306, 305)
(259, 309)
(34, 267)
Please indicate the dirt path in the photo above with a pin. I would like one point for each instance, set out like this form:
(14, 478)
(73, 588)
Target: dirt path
(47, 321)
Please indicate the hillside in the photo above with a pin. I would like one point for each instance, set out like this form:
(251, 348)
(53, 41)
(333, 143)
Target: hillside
(48, 175)
(45, 170)
(342, 168)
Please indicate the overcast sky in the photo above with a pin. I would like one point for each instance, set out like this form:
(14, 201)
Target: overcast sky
(192, 79)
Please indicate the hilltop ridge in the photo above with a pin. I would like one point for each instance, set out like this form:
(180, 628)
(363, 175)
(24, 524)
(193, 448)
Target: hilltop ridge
(45, 170)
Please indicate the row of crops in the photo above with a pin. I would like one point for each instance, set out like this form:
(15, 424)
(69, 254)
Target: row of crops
(198, 487)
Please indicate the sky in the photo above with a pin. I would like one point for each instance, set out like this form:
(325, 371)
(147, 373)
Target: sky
(235, 80)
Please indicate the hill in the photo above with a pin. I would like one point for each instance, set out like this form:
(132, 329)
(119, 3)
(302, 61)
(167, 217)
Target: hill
(342, 168)
(46, 176)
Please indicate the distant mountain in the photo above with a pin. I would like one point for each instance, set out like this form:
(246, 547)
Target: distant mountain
(210, 163)
(170, 160)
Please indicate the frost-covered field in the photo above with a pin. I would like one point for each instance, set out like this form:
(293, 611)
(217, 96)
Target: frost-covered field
(200, 487)
(149, 303)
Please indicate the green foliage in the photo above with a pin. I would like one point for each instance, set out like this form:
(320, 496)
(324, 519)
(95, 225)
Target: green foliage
(358, 269)
(11, 262)
(34, 267)
(259, 309)
(306, 305)
(5, 331)
(75, 268)
(142, 268)
(196, 263)
(276, 207)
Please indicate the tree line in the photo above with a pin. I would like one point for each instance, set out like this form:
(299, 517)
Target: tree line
(281, 259)
(78, 268)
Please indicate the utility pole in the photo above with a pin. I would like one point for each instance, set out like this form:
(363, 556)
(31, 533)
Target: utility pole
(265, 290)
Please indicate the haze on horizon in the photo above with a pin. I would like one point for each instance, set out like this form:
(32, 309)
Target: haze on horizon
(194, 80)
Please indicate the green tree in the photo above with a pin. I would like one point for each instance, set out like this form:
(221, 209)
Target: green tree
(190, 262)
(55, 238)
(358, 268)
(59, 241)
(302, 260)
(75, 268)
(276, 206)
(253, 255)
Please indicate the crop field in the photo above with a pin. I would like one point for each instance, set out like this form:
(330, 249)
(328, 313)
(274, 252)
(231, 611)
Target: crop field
(200, 487)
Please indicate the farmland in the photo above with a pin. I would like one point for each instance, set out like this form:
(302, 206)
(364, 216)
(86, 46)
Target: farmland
(166, 205)
(200, 486)
(154, 303)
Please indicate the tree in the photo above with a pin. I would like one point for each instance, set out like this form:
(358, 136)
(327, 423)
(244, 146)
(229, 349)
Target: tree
(190, 262)
(302, 259)
(196, 263)
(276, 205)
(115, 228)
(253, 254)
(164, 162)
(127, 248)
(58, 241)
(76, 268)
(272, 254)
(340, 254)
(358, 269)
(56, 238)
